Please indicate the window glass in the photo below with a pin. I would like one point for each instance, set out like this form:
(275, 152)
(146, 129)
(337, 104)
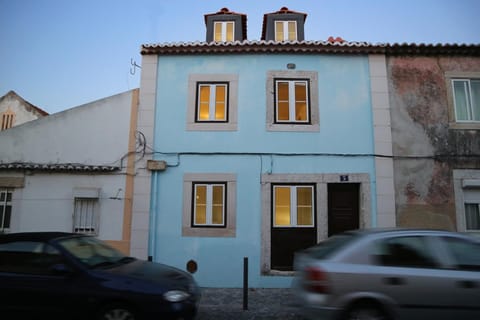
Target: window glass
(304, 206)
(282, 206)
(472, 216)
(461, 99)
(224, 31)
(279, 31)
(200, 204)
(218, 31)
(300, 101)
(220, 102)
(5, 209)
(292, 30)
(410, 251)
(475, 84)
(466, 253)
(28, 257)
(229, 34)
(204, 102)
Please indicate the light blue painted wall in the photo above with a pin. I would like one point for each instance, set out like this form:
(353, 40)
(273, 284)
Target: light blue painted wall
(345, 128)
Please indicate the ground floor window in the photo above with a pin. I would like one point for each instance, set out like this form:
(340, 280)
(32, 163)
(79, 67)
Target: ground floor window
(85, 216)
(5, 209)
(467, 199)
(209, 205)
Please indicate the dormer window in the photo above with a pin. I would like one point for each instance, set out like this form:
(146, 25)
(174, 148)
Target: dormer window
(224, 31)
(283, 25)
(285, 30)
(226, 26)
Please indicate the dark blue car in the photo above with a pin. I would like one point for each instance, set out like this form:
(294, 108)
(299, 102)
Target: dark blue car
(72, 276)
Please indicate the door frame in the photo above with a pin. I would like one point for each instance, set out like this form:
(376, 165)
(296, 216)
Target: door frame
(321, 199)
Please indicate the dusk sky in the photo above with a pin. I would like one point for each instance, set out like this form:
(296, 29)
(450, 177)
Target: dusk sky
(58, 54)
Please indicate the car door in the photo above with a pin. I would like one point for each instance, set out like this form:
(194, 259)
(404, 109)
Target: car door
(409, 272)
(29, 283)
(462, 278)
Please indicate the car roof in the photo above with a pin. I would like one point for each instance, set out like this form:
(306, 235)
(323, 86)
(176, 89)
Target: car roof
(35, 236)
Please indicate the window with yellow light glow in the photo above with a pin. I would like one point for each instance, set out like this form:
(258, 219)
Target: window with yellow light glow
(209, 204)
(224, 31)
(291, 101)
(293, 205)
(212, 102)
(285, 30)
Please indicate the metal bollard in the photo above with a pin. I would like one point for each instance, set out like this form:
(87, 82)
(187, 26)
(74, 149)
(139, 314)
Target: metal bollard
(245, 283)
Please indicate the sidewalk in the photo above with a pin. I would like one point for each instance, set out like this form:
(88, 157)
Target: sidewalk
(265, 304)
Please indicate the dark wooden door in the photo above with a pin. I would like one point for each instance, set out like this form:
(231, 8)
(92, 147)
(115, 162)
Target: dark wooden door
(285, 241)
(343, 207)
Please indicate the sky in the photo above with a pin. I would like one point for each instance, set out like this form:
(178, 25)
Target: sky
(59, 54)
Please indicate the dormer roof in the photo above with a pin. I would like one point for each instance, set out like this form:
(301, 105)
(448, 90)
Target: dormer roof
(225, 14)
(283, 14)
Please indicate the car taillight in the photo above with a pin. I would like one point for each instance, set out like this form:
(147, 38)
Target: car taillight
(316, 280)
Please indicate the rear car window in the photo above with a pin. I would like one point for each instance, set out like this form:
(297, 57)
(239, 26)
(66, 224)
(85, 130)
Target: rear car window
(404, 251)
(325, 248)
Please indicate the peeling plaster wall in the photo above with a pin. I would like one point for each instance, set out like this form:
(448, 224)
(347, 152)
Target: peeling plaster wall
(425, 145)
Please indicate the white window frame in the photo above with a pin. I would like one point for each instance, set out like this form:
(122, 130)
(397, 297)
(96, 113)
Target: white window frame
(292, 99)
(452, 110)
(209, 205)
(212, 102)
(477, 204)
(6, 203)
(285, 30)
(223, 27)
(466, 184)
(293, 205)
(232, 102)
(85, 216)
(313, 101)
(230, 205)
(469, 96)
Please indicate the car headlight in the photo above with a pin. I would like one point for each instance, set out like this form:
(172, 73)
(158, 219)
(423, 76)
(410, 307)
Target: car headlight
(176, 295)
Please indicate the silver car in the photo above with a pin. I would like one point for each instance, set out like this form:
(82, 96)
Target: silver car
(390, 275)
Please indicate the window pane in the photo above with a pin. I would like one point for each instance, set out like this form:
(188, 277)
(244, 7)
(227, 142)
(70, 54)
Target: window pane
(475, 84)
(200, 204)
(6, 221)
(2, 196)
(472, 216)
(283, 101)
(282, 206)
(466, 253)
(220, 102)
(301, 101)
(218, 31)
(229, 31)
(292, 32)
(460, 89)
(203, 112)
(409, 252)
(279, 31)
(9, 196)
(304, 206)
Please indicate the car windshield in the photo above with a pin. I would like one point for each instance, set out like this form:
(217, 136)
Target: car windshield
(93, 252)
(324, 248)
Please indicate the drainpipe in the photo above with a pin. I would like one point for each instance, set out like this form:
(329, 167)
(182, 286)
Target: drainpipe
(152, 230)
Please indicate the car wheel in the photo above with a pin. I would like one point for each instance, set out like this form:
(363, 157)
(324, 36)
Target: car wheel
(365, 311)
(116, 312)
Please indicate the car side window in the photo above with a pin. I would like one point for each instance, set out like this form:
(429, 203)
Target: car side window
(465, 253)
(28, 257)
(407, 251)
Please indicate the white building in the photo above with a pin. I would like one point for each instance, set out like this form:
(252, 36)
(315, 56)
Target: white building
(72, 171)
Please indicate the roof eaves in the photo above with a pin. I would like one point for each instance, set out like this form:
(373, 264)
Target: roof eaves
(58, 167)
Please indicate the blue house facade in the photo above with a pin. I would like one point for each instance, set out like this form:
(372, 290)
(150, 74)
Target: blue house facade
(262, 148)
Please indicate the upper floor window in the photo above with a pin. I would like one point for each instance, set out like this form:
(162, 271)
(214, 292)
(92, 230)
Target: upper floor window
(209, 205)
(285, 30)
(5, 209)
(291, 101)
(8, 118)
(466, 94)
(224, 31)
(212, 102)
